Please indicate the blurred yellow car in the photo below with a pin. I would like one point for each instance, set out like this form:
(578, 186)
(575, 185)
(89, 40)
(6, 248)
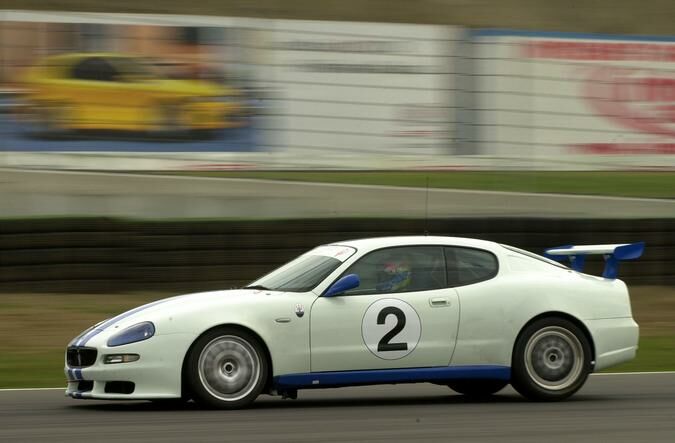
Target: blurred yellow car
(108, 91)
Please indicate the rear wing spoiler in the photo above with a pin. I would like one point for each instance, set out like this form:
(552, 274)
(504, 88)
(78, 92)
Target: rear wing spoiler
(613, 254)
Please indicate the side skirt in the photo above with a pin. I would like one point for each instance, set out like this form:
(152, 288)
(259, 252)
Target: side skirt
(390, 376)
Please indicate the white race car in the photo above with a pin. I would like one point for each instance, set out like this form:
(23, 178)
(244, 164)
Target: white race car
(470, 314)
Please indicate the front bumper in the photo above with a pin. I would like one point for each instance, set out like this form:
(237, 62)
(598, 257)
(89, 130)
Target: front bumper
(156, 375)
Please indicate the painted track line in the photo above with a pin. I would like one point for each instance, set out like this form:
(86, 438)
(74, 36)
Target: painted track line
(633, 373)
(30, 389)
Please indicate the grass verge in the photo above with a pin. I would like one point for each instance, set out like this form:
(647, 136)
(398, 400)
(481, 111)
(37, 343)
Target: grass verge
(36, 328)
(654, 354)
(619, 184)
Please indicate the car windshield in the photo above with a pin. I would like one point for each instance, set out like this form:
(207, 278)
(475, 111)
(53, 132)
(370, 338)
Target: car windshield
(535, 256)
(305, 272)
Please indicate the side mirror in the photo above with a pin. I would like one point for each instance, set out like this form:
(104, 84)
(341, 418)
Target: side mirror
(346, 283)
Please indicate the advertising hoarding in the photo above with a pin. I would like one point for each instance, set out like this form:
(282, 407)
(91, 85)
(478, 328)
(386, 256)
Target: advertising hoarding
(117, 85)
(155, 92)
(364, 94)
(129, 91)
(584, 99)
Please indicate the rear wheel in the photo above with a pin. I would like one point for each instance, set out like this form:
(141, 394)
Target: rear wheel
(170, 119)
(477, 388)
(226, 369)
(551, 360)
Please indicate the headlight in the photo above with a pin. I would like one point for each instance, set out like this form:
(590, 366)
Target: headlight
(132, 334)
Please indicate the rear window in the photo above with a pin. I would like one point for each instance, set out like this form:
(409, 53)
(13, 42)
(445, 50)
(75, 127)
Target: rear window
(534, 256)
(467, 266)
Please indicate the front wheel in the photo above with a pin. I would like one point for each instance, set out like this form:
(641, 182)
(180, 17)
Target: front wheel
(477, 388)
(49, 119)
(551, 360)
(226, 369)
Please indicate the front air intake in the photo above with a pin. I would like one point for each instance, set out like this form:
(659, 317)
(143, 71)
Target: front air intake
(78, 357)
(119, 387)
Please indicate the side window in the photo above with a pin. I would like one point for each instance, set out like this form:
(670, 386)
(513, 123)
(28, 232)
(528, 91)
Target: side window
(400, 269)
(96, 69)
(467, 265)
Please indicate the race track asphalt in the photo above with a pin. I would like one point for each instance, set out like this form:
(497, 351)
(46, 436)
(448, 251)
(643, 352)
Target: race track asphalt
(610, 408)
(63, 193)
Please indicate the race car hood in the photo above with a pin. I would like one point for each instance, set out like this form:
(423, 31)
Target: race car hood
(168, 314)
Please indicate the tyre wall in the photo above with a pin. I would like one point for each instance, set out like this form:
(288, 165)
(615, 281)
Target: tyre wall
(106, 255)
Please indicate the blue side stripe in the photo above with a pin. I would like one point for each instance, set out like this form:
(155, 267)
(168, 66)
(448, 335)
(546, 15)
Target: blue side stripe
(78, 374)
(409, 375)
(71, 376)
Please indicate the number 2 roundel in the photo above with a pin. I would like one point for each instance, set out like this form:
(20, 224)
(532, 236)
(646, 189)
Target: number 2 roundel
(391, 328)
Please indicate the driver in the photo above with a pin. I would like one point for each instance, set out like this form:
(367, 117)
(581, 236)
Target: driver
(396, 275)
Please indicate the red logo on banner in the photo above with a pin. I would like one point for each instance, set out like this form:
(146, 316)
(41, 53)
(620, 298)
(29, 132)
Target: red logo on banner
(637, 99)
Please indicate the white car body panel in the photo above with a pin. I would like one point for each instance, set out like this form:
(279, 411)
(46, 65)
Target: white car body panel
(478, 327)
(336, 337)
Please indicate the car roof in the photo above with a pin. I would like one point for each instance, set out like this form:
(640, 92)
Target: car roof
(366, 244)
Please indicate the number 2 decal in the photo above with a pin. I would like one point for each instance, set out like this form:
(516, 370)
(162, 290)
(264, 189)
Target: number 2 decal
(384, 345)
(391, 328)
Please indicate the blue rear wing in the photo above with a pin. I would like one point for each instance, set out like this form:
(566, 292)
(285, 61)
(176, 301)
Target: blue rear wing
(613, 254)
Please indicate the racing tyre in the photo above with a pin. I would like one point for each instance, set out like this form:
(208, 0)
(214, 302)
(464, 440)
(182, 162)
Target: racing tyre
(551, 360)
(49, 120)
(477, 388)
(226, 369)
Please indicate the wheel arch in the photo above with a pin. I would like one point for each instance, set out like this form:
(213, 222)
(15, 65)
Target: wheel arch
(562, 315)
(268, 356)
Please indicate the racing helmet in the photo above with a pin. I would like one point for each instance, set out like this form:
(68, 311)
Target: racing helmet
(396, 275)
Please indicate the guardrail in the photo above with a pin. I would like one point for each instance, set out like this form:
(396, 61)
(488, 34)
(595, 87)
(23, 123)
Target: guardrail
(107, 256)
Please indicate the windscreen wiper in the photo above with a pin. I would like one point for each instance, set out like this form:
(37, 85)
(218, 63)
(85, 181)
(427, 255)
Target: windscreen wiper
(261, 287)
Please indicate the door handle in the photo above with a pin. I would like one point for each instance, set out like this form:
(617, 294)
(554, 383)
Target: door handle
(437, 302)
